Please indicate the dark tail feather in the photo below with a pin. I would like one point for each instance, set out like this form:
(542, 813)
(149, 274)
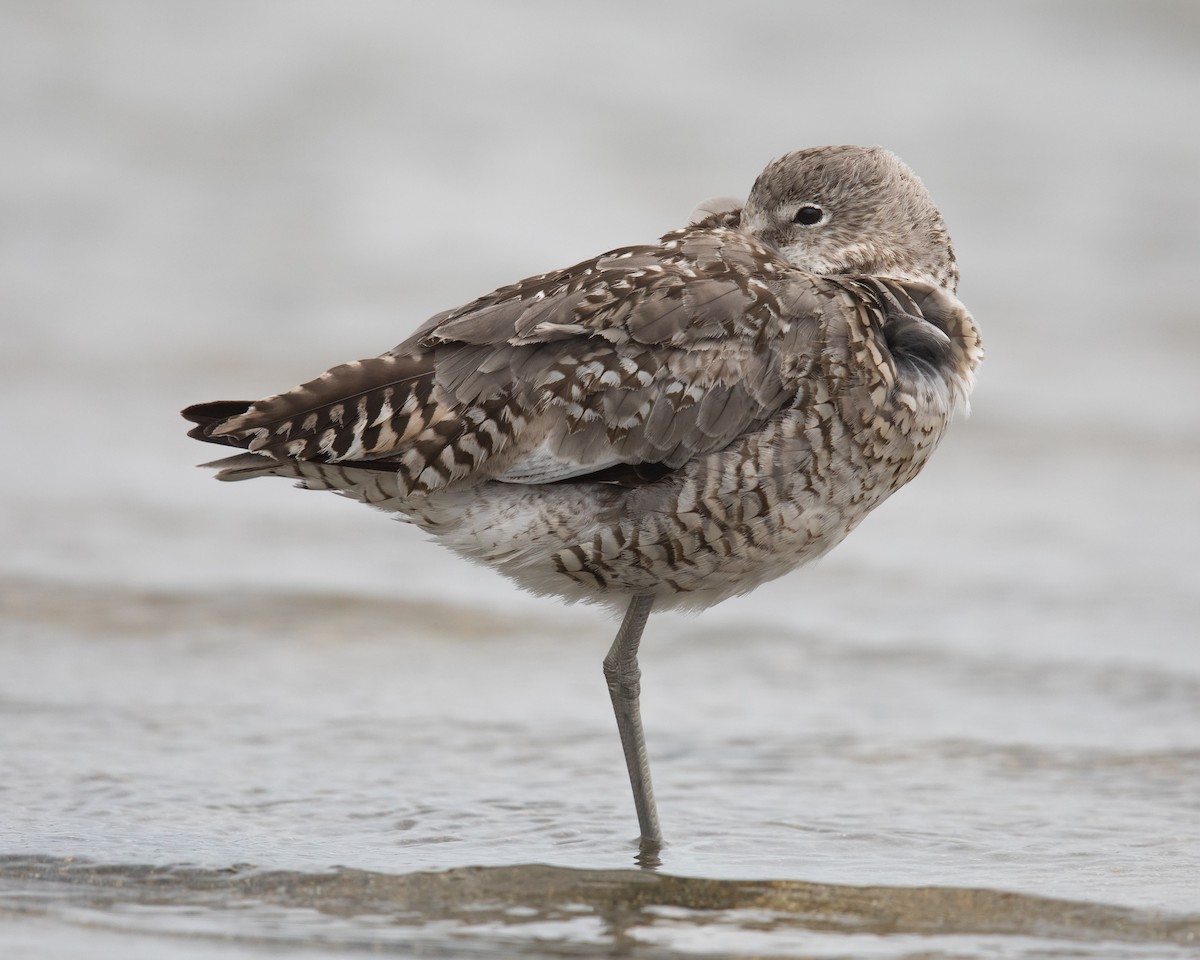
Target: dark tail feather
(209, 416)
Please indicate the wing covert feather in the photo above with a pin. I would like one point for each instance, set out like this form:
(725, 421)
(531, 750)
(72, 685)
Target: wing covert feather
(650, 355)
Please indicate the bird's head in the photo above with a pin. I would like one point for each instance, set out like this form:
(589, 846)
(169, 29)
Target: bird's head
(846, 209)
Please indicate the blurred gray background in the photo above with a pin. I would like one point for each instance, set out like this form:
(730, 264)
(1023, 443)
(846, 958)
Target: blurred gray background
(994, 682)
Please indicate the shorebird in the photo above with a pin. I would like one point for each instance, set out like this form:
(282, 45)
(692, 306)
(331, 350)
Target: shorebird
(665, 425)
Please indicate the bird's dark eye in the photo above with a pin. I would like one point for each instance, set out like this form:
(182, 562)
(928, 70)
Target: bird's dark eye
(808, 215)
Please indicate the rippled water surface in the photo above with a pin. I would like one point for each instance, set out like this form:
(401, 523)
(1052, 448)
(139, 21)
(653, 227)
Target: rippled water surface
(243, 720)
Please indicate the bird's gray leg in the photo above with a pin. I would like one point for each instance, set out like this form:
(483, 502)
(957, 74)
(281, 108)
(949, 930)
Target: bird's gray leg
(624, 686)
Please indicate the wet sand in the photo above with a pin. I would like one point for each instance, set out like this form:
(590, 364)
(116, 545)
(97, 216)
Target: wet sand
(537, 910)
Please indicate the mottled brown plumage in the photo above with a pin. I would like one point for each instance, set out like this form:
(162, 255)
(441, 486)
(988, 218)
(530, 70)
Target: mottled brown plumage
(674, 423)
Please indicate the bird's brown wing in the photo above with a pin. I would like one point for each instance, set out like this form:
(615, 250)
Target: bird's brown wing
(643, 356)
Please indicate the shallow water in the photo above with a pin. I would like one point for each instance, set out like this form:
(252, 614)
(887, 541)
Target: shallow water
(185, 735)
(243, 720)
